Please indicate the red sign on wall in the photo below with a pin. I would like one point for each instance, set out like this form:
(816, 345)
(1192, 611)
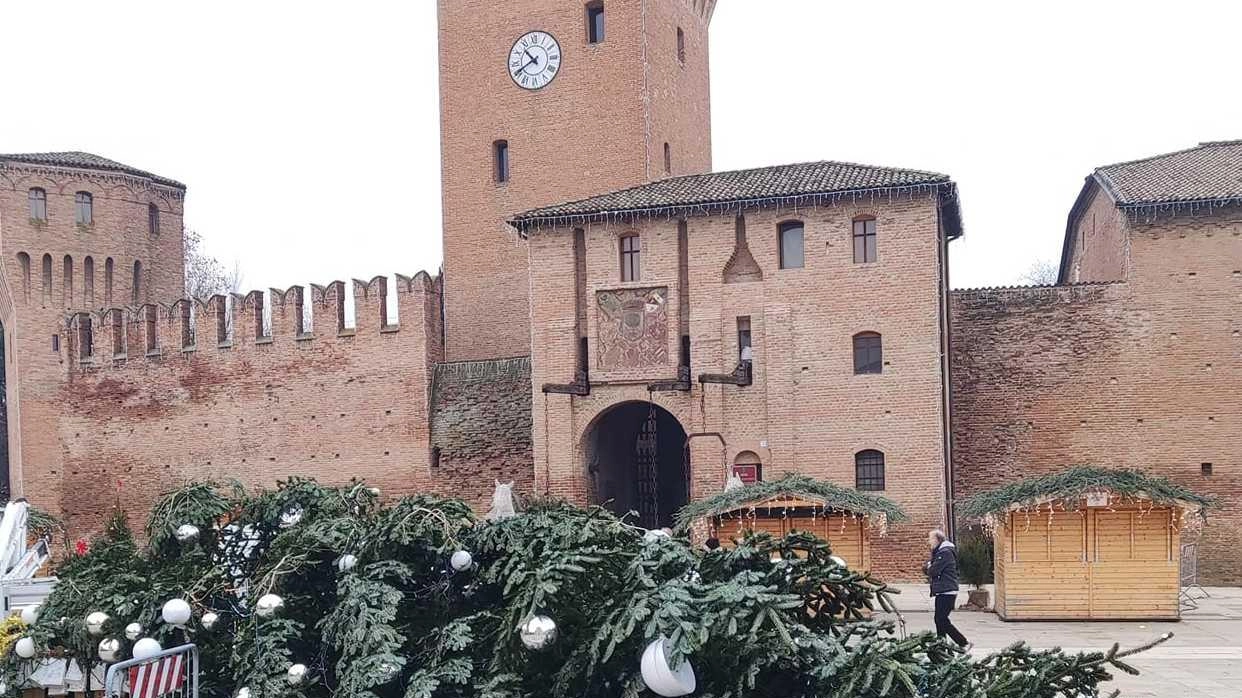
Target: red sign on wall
(749, 473)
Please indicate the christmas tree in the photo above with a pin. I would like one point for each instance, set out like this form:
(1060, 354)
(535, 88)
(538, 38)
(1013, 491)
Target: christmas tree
(307, 590)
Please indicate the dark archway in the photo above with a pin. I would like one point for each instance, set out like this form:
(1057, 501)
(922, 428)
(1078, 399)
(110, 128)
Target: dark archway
(636, 459)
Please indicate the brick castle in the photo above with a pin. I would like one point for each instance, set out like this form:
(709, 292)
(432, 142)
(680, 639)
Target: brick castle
(617, 323)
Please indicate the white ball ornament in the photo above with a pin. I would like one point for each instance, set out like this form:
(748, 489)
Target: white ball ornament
(838, 561)
(537, 632)
(662, 679)
(30, 614)
(110, 649)
(242, 692)
(133, 631)
(176, 612)
(296, 674)
(186, 533)
(209, 620)
(346, 562)
(268, 605)
(373, 491)
(291, 517)
(25, 648)
(95, 623)
(147, 648)
(461, 560)
(655, 534)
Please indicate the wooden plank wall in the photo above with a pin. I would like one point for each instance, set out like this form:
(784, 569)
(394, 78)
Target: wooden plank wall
(849, 537)
(1113, 563)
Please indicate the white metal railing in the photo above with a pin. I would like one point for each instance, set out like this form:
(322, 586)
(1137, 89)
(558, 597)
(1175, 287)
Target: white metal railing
(173, 673)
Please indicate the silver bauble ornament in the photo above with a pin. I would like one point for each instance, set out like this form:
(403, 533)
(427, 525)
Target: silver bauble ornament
(147, 648)
(537, 632)
(176, 612)
(373, 491)
(110, 649)
(268, 605)
(209, 620)
(133, 631)
(186, 533)
(30, 614)
(25, 648)
(346, 562)
(461, 560)
(95, 623)
(296, 674)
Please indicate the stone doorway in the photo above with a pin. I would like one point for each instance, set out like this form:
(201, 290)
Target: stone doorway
(636, 460)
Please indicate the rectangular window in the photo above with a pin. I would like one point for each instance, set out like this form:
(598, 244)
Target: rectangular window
(668, 159)
(84, 204)
(153, 219)
(595, 23)
(791, 245)
(868, 353)
(631, 258)
(38, 205)
(864, 241)
(743, 338)
(501, 150)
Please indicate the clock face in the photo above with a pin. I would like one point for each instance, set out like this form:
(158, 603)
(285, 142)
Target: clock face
(534, 60)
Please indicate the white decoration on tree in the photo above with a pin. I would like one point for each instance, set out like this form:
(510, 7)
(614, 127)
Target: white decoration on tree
(655, 534)
(374, 491)
(346, 562)
(839, 561)
(147, 648)
(210, 619)
(296, 674)
(176, 612)
(30, 614)
(504, 504)
(537, 632)
(242, 692)
(186, 533)
(109, 649)
(268, 605)
(291, 517)
(133, 631)
(95, 623)
(734, 482)
(660, 677)
(461, 560)
(25, 648)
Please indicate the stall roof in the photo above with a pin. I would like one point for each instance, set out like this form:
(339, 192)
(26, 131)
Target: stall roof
(1077, 482)
(804, 490)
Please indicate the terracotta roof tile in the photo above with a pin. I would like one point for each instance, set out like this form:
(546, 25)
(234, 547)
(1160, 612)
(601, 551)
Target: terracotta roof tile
(85, 161)
(1208, 172)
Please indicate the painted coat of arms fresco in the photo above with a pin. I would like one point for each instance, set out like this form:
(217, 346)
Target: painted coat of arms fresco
(633, 328)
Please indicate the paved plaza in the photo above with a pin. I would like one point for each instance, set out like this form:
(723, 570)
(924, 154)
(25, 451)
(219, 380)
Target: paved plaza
(1204, 658)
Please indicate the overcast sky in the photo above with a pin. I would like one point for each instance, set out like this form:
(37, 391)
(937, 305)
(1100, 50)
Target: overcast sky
(308, 132)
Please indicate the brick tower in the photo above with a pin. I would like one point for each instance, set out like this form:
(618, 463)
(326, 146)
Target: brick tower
(551, 100)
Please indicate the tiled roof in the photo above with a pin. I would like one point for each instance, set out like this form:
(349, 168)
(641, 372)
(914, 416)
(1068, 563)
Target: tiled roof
(809, 181)
(1209, 172)
(85, 161)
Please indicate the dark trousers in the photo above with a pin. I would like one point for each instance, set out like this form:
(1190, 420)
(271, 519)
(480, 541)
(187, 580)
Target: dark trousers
(944, 606)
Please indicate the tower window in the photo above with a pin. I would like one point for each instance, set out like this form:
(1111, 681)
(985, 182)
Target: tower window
(864, 240)
(668, 159)
(85, 207)
(153, 219)
(47, 279)
(38, 205)
(595, 22)
(23, 261)
(791, 245)
(500, 151)
(868, 353)
(88, 280)
(743, 338)
(108, 268)
(1205, 468)
(869, 470)
(681, 46)
(631, 258)
(137, 287)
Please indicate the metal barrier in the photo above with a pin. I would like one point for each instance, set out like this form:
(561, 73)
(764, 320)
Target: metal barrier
(173, 673)
(1190, 577)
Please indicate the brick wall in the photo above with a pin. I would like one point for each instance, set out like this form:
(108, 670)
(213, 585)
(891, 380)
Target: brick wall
(1100, 246)
(806, 411)
(1142, 374)
(600, 125)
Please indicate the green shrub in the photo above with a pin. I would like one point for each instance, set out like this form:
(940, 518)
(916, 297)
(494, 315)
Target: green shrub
(974, 559)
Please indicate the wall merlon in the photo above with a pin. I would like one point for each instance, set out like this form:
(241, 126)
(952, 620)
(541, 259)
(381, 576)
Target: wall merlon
(371, 304)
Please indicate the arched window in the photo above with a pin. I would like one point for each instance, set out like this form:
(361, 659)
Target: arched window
(137, 286)
(790, 233)
(84, 203)
(868, 353)
(88, 280)
(747, 466)
(23, 261)
(38, 205)
(108, 281)
(864, 240)
(631, 258)
(869, 470)
(153, 219)
(68, 282)
(47, 279)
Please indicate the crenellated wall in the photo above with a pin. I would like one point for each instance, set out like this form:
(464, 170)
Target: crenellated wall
(155, 395)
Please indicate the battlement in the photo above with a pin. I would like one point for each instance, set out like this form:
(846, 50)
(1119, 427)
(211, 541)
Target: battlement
(242, 322)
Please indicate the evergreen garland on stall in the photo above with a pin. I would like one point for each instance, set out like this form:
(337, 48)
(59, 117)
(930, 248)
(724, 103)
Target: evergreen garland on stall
(321, 591)
(1073, 484)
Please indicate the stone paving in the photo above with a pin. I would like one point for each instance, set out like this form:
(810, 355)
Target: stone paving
(1204, 658)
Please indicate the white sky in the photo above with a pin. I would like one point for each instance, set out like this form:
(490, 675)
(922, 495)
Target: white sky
(308, 132)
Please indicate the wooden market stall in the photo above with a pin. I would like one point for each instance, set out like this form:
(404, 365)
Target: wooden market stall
(846, 518)
(1088, 543)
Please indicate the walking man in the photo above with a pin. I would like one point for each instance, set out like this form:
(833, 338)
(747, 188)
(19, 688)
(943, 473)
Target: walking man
(942, 575)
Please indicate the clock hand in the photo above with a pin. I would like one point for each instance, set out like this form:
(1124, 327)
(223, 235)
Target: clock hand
(532, 58)
(519, 70)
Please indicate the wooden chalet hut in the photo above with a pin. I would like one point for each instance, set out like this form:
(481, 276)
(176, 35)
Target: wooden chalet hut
(846, 518)
(1088, 543)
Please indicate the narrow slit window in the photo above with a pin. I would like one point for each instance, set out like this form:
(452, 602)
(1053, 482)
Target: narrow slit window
(595, 22)
(137, 288)
(864, 241)
(23, 261)
(744, 351)
(108, 268)
(38, 205)
(47, 279)
(668, 159)
(67, 282)
(681, 46)
(791, 240)
(84, 203)
(631, 258)
(88, 280)
(500, 152)
(153, 219)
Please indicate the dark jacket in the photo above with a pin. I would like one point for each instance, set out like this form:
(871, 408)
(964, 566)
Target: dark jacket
(942, 568)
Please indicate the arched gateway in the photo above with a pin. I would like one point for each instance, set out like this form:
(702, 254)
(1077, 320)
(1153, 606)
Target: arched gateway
(636, 459)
